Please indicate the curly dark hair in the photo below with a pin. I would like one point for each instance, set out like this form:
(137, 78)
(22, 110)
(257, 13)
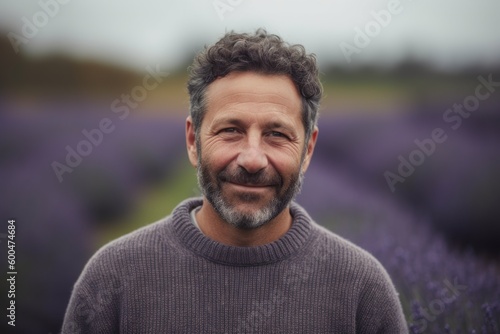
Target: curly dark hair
(260, 52)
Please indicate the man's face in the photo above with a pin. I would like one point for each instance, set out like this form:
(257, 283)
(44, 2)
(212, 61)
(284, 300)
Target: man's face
(252, 151)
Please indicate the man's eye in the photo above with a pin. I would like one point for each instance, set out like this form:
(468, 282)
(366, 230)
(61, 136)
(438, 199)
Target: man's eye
(229, 130)
(277, 134)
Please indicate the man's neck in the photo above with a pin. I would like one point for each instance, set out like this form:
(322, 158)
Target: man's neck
(212, 225)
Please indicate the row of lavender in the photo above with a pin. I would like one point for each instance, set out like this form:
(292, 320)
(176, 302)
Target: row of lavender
(56, 218)
(453, 177)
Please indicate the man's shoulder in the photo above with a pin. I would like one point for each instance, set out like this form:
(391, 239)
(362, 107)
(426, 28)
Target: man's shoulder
(138, 243)
(331, 248)
(153, 235)
(337, 251)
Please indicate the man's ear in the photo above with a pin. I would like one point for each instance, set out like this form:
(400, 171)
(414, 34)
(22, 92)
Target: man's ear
(310, 149)
(191, 142)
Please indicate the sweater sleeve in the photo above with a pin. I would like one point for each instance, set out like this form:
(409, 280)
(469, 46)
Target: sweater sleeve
(94, 303)
(379, 310)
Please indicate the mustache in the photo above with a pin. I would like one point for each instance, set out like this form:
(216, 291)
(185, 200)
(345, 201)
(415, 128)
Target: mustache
(241, 176)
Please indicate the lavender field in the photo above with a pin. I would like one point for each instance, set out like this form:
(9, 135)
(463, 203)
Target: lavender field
(437, 233)
(58, 222)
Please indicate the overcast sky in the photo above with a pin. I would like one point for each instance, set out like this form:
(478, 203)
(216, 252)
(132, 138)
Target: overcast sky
(445, 33)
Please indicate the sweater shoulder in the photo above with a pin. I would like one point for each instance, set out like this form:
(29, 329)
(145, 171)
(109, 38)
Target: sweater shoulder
(144, 238)
(349, 263)
(134, 247)
(340, 252)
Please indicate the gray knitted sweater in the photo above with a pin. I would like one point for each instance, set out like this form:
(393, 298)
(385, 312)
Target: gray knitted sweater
(168, 277)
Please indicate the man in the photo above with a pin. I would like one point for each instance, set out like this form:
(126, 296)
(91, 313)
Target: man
(244, 258)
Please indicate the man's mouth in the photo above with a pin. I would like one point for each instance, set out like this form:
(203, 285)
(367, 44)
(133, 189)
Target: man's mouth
(250, 185)
(240, 179)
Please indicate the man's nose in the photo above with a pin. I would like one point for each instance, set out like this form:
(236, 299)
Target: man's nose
(252, 157)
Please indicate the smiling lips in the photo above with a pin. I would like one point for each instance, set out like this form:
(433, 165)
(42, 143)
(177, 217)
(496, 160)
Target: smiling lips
(241, 178)
(250, 185)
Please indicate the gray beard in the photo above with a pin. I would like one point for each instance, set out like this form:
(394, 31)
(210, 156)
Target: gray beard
(212, 190)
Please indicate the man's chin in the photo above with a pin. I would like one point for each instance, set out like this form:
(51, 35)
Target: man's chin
(249, 204)
(246, 221)
(247, 215)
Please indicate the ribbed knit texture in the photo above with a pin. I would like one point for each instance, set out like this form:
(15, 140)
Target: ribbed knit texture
(168, 277)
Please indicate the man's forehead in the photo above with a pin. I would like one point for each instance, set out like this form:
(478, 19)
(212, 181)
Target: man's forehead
(275, 102)
(250, 87)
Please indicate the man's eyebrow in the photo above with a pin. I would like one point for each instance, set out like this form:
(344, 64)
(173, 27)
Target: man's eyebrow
(278, 125)
(227, 120)
(282, 125)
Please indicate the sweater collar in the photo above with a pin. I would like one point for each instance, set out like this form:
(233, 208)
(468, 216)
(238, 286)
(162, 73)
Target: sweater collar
(195, 240)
